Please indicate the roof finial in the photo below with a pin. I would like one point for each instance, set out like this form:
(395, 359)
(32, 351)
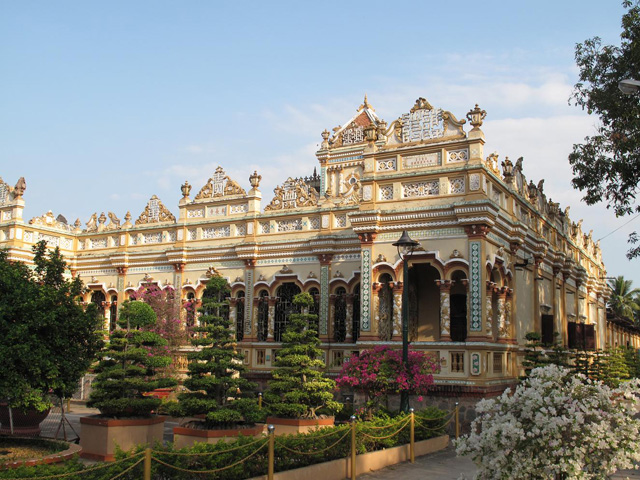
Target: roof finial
(365, 105)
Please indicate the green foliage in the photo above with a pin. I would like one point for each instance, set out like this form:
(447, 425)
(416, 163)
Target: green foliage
(632, 360)
(215, 381)
(614, 369)
(606, 166)
(538, 355)
(47, 340)
(429, 423)
(299, 388)
(624, 299)
(128, 365)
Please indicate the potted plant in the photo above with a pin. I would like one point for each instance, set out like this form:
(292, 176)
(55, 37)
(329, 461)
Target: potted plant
(219, 397)
(300, 397)
(47, 340)
(126, 372)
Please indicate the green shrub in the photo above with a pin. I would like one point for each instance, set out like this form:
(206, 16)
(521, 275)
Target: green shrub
(318, 446)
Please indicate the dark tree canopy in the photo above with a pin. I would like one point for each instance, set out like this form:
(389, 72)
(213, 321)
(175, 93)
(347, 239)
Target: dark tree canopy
(606, 166)
(47, 340)
(216, 386)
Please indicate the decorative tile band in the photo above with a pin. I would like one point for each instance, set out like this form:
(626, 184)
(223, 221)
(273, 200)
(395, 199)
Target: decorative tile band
(324, 299)
(476, 291)
(248, 304)
(365, 290)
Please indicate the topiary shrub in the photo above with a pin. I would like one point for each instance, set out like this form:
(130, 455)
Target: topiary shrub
(299, 388)
(216, 386)
(128, 365)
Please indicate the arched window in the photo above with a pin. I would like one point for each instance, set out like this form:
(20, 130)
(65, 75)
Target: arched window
(284, 308)
(385, 307)
(340, 315)
(356, 313)
(98, 298)
(240, 316)
(315, 308)
(113, 313)
(263, 315)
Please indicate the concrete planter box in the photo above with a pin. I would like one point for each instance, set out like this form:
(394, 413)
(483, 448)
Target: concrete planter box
(185, 436)
(99, 436)
(365, 463)
(287, 426)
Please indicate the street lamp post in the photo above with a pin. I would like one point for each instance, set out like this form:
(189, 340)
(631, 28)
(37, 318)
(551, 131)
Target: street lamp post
(629, 86)
(405, 246)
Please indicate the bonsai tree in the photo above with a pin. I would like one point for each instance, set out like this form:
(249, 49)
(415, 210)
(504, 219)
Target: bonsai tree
(216, 386)
(47, 340)
(127, 369)
(379, 371)
(299, 388)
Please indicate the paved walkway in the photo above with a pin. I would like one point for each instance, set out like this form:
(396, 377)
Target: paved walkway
(445, 465)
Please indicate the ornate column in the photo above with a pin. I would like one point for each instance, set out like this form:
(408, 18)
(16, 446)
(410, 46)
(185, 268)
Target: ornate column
(445, 309)
(272, 318)
(366, 253)
(331, 330)
(488, 323)
(503, 326)
(397, 288)
(477, 276)
(325, 272)
(375, 308)
(253, 327)
(508, 315)
(349, 319)
(250, 310)
(233, 313)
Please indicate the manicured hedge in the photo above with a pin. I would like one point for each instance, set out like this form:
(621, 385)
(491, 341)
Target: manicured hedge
(317, 447)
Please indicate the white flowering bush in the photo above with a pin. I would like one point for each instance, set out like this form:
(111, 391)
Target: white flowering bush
(555, 425)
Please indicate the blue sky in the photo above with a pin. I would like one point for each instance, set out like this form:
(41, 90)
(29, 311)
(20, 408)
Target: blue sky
(104, 104)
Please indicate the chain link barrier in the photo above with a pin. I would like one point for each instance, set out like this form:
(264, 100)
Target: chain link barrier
(215, 470)
(347, 432)
(150, 455)
(80, 472)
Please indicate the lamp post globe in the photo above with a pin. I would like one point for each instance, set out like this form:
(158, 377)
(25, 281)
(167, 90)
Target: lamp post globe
(406, 246)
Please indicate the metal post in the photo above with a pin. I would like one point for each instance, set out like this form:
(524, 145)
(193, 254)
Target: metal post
(260, 400)
(147, 464)
(457, 420)
(404, 395)
(272, 444)
(412, 451)
(353, 447)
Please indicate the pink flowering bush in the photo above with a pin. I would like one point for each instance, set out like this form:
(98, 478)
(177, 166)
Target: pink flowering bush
(379, 371)
(555, 425)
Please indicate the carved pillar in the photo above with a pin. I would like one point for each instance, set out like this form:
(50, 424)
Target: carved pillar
(349, 319)
(325, 272)
(272, 318)
(366, 253)
(488, 323)
(331, 331)
(375, 308)
(340, 180)
(503, 327)
(120, 283)
(508, 314)
(254, 318)
(445, 309)
(233, 313)
(250, 310)
(397, 289)
(107, 312)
